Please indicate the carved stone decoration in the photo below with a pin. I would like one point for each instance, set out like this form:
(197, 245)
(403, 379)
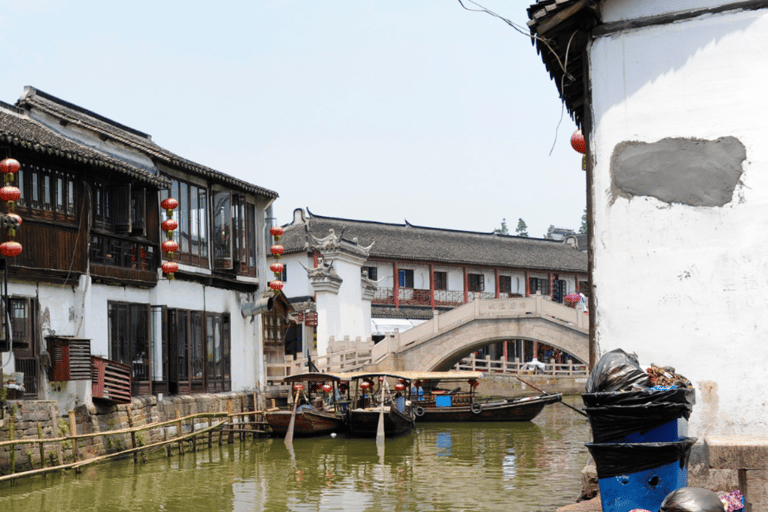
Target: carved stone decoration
(369, 286)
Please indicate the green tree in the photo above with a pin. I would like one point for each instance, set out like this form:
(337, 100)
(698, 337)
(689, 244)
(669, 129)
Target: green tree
(550, 231)
(583, 228)
(522, 228)
(503, 229)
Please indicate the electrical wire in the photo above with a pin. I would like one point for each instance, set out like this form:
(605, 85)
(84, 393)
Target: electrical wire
(521, 30)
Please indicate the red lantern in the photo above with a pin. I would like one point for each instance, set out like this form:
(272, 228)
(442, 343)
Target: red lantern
(473, 383)
(365, 384)
(169, 203)
(578, 143)
(170, 246)
(277, 267)
(276, 285)
(10, 193)
(277, 249)
(276, 231)
(9, 165)
(399, 386)
(10, 248)
(298, 387)
(327, 388)
(169, 224)
(169, 267)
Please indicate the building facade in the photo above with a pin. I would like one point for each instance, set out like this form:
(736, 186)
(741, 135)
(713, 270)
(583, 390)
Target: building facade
(670, 98)
(89, 281)
(411, 272)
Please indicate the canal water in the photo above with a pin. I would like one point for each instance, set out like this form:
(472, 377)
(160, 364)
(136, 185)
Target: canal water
(515, 467)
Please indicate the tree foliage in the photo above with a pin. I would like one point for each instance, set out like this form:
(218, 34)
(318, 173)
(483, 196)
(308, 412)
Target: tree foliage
(522, 228)
(503, 230)
(583, 228)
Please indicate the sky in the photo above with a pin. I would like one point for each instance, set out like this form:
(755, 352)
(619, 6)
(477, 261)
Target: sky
(387, 111)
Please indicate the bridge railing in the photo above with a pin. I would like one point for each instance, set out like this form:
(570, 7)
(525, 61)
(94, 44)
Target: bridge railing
(518, 367)
(511, 307)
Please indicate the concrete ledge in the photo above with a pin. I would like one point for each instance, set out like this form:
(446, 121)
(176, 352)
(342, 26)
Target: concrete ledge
(736, 452)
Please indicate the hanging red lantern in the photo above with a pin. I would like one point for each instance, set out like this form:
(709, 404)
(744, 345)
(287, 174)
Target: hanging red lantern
(399, 386)
(276, 231)
(10, 248)
(365, 384)
(277, 267)
(169, 267)
(277, 250)
(10, 193)
(170, 246)
(9, 165)
(298, 387)
(169, 224)
(276, 285)
(473, 383)
(578, 143)
(327, 388)
(169, 203)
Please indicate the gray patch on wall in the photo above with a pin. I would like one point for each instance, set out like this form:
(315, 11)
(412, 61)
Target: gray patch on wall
(694, 172)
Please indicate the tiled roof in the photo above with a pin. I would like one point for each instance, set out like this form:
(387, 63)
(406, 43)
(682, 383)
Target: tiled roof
(561, 29)
(415, 243)
(18, 130)
(68, 112)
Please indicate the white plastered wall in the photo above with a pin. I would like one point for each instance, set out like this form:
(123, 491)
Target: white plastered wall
(681, 285)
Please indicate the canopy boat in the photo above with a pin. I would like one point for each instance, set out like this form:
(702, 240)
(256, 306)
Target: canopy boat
(372, 392)
(320, 410)
(461, 404)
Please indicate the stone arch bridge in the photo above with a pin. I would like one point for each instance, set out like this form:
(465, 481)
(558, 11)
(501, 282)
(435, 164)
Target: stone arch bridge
(443, 341)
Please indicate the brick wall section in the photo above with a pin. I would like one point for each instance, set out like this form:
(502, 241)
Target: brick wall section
(104, 418)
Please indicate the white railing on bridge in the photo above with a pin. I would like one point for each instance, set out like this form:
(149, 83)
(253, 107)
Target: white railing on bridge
(503, 366)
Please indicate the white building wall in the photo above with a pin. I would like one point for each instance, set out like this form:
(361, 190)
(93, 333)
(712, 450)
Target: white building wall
(297, 284)
(682, 285)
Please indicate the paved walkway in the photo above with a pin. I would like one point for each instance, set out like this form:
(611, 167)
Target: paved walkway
(592, 505)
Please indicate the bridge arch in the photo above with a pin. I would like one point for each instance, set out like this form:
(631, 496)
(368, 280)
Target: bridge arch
(442, 342)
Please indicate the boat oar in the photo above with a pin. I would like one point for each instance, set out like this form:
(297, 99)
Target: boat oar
(289, 433)
(380, 429)
(545, 393)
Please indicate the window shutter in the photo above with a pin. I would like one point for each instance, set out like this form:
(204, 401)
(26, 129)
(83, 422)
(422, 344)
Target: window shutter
(122, 208)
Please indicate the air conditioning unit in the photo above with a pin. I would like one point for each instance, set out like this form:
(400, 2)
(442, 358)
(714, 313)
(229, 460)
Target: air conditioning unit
(70, 358)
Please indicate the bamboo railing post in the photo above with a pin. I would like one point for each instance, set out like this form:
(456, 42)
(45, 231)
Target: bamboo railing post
(73, 433)
(230, 434)
(242, 420)
(210, 432)
(178, 432)
(11, 437)
(133, 434)
(42, 446)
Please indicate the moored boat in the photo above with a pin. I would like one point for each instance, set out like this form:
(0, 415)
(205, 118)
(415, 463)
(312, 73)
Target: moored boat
(377, 394)
(320, 410)
(461, 404)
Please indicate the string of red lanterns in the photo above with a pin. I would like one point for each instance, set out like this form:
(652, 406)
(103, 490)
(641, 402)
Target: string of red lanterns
(11, 222)
(169, 246)
(277, 250)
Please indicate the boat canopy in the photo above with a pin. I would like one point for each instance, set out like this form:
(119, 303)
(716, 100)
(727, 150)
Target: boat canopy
(312, 376)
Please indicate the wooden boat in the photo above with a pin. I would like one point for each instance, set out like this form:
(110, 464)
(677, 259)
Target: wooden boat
(460, 404)
(319, 412)
(366, 405)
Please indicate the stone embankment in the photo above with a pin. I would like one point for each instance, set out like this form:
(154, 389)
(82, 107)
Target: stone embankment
(38, 418)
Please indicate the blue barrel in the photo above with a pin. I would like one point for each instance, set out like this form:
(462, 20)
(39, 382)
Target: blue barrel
(640, 475)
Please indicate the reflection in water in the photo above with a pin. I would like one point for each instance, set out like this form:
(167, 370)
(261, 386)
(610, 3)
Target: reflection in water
(439, 467)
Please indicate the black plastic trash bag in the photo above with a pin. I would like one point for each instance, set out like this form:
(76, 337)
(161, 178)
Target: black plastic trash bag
(617, 371)
(692, 499)
(616, 459)
(615, 416)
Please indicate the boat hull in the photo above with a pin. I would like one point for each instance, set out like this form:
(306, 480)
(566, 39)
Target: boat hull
(365, 422)
(524, 409)
(308, 423)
